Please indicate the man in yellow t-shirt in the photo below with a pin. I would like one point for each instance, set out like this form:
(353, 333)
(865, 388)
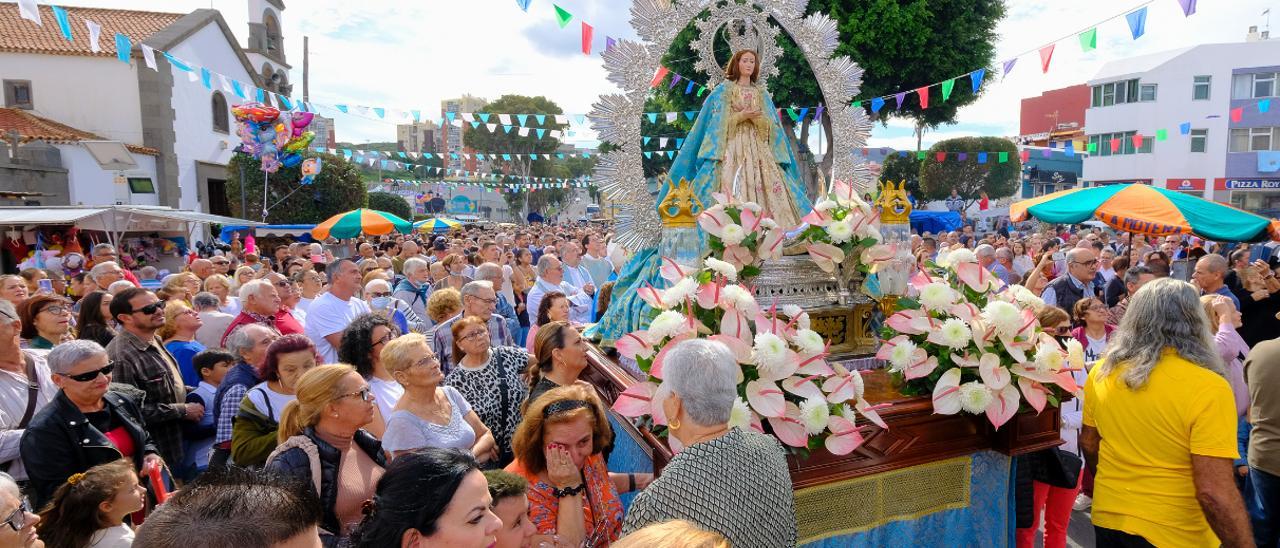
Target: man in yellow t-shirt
(1157, 452)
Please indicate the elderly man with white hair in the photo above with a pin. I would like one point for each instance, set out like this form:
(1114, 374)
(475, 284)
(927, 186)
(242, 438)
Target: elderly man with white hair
(25, 387)
(478, 300)
(496, 275)
(378, 295)
(740, 477)
(551, 278)
(260, 302)
(1003, 266)
(415, 287)
(105, 252)
(104, 274)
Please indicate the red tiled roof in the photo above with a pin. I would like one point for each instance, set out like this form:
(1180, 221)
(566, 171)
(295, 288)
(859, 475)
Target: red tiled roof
(31, 127)
(22, 36)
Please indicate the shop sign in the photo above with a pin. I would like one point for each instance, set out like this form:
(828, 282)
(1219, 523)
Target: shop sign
(1253, 184)
(1184, 184)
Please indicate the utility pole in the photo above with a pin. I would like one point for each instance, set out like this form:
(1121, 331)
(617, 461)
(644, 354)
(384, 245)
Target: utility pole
(306, 68)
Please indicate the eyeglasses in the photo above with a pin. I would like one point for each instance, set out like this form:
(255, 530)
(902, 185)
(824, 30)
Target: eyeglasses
(484, 300)
(474, 334)
(91, 375)
(429, 360)
(384, 340)
(376, 294)
(18, 519)
(56, 310)
(284, 284)
(366, 394)
(1089, 262)
(150, 309)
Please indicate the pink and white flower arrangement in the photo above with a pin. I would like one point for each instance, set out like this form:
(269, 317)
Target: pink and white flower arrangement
(839, 225)
(974, 344)
(786, 386)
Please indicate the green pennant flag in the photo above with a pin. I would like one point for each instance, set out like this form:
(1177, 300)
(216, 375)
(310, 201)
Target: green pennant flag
(920, 154)
(1089, 39)
(563, 16)
(857, 104)
(946, 89)
(701, 90)
(1004, 157)
(1162, 134)
(1092, 147)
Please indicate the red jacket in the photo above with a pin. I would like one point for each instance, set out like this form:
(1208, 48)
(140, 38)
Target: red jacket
(284, 322)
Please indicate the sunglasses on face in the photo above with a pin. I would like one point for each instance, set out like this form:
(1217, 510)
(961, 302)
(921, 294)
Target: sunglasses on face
(18, 518)
(91, 375)
(365, 394)
(150, 309)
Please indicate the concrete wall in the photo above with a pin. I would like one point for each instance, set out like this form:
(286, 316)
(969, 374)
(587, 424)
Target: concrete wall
(94, 94)
(37, 168)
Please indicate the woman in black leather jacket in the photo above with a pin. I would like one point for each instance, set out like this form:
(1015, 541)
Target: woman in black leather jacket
(85, 425)
(322, 442)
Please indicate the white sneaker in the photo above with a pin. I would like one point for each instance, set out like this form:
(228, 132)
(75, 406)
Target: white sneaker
(1083, 502)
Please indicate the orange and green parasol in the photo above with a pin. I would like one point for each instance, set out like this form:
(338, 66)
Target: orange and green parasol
(1144, 209)
(361, 221)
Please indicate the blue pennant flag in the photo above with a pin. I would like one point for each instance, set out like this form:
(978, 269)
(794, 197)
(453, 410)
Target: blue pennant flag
(581, 118)
(343, 108)
(982, 157)
(402, 155)
(260, 96)
(1069, 148)
(648, 154)
(1184, 128)
(123, 46)
(450, 115)
(542, 118)
(284, 102)
(175, 62)
(506, 157)
(475, 124)
(560, 155)
(1264, 105)
(346, 152)
(381, 112)
(586, 154)
(877, 104)
(689, 88)
(644, 141)
(522, 118)
(540, 132)
(1137, 22)
(506, 129)
(975, 78)
(206, 78)
(64, 25)
(235, 85)
(902, 154)
(690, 114)
(417, 115)
(524, 5)
(653, 117)
(679, 142)
(484, 116)
(803, 113)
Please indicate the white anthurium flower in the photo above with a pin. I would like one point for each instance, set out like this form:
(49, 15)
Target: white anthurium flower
(809, 341)
(683, 289)
(792, 310)
(839, 232)
(770, 350)
(740, 415)
(814, 413)
(975, 397)
(1005, 317)
(802, 321)
(1075, 353)
(937, 296)
(955, 334)
(943, 258)
(732, 234)
(824, 205)
(668, 324)
(738, 297)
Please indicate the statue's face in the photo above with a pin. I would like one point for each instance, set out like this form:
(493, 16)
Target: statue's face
(747, 64)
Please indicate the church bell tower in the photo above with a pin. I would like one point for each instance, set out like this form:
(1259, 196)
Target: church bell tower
(266, 45)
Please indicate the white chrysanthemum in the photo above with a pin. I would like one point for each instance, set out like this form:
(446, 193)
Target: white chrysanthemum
(824, 206)
(1026, 298)
(722, 268)
(1075, 353)
(802, 321)
(962, 256)
(732, 234)
(975, 397)
(955, 334)
(740, 414)
(668, 324)
(859, 387)
(1048, 358)
(1005, 317)
(768, 223)
(683, 289)
(770, 351)
(900, 356)
(839, 232)
(738, 297)
(792, 310)
(845, 411)
(937, 296)
(815, 414)
(809, 341)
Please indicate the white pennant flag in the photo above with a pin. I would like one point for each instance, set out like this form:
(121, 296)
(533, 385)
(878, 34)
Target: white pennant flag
(546, 156)
(468, 117)
(562, 119)
(492, 127)
(457, 123)
(226, 85)
(30, 11)
(95, 32)
(505, 118)
(555, 133)
(671, 116)
(149, 54)
(524, 132)
(192, 76)
(662, 142)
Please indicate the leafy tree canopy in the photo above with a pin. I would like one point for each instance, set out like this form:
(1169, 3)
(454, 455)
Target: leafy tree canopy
(337, 188)
(390, 203)
(968, 177)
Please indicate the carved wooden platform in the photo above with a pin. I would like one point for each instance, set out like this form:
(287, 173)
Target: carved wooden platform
(915, 435)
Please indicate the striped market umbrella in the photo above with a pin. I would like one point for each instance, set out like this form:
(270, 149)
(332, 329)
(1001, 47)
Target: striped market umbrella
(361, 221)
(439, 224)
(1145, 209)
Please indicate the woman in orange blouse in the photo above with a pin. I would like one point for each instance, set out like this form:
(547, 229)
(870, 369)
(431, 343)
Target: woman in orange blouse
(573, 499)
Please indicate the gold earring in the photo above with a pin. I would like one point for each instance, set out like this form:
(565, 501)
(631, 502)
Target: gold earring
(674, 425)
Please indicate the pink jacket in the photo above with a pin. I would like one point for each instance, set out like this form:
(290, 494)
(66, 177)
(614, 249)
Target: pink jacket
(1231, 347)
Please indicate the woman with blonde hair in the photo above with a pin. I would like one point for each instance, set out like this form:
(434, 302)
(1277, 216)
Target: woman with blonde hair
(456, 266)
(323, 443)
(243, 276)
(221, 286)
(429, 414)
(182, 285)
(676, 533)
(444, 304)
(179, 335)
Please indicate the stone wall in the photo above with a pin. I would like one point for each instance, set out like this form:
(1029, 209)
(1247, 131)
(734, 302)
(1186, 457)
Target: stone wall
(37, 168)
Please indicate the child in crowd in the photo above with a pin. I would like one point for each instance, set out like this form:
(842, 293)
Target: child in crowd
(212, 365)
(88, 510)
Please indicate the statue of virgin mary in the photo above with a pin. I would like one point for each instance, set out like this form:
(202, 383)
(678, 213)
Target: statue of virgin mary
(738, 146)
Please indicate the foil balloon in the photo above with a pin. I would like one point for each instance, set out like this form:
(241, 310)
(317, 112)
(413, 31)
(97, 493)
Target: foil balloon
(299, 144)
(270, 163)
(282, 134)
(302, 119)
(310, 168)
(291, 159)
(255, 112)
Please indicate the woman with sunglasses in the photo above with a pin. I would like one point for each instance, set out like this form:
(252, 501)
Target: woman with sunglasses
(361, 348)
(256, 426)
(85, 425)
(323, 443)
(430, 415)
(46, 321)
(17, 519)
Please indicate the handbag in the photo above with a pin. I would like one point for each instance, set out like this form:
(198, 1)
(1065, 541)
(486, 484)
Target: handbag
(1057, 468)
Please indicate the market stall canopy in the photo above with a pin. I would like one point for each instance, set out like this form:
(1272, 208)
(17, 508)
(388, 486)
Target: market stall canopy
(1144, 209)
(112, 219)
(301, 232)
(361, 221)
(439, 224)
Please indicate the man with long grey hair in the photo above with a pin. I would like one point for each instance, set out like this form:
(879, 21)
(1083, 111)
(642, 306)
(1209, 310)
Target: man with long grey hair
(1160, 429)
(729, 478)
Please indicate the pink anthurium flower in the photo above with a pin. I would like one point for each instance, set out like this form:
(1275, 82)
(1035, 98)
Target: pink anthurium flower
(966, 311)
(922, 368)
(826, 256)
(817, 218)
(909, 321)
(921, 279)
(815, 364)
(709, 293)
(805, 387)
(844, 438)
(1066, 381)
(636, 400)
(871, 412)
(788, 427)
(722, 198)
(1004, 406)
(750, 220)
(876, 255)
(635, 345)
(1015, 349)
(1030, 371)
(713, 220)
(771, 245)
(1034, 392)
(976, 277)
(739, 346)
(946, 394)
(964, 360)
(886, 347)
(766, 398)
(844, 191)
(652, 296)
(983, 334)
(734, 324)
(842, 388)
(994, 375)
(673, 271)
(655, 370)
(738, 256)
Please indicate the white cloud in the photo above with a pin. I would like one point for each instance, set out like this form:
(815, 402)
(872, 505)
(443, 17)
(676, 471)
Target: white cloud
(411, 55)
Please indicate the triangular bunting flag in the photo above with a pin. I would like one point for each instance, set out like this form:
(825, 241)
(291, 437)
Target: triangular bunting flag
(947, 86)
(586, 38)
(653, 117)
(877, 104)
(982, 157)
(1137, 140)
(1188, 7)
(1089, 39)
(1264, 106)
(657, 77)
(64, 24)
(975, 78)
(541, 118)
(540, 132)
(1046, 55)
(1184, 128)
(671, 116)
(1237, 113)
(791, 112)
(522, 118)
(1003, 157)
(923, 94)
(674, 80)
(1137, 22)
(123, 46)
(1008, 67)
(1026, 155)
(562, 16)
(524, 5)
(690, 114)
(149, 55)
(900, 96)
(940, 156)
(29, 11)
(689, 88)
(1162, 134)
(95, 32)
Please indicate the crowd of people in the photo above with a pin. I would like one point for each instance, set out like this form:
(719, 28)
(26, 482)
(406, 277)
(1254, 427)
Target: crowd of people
(425, 391)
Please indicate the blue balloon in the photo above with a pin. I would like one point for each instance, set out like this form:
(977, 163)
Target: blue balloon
(290, 160)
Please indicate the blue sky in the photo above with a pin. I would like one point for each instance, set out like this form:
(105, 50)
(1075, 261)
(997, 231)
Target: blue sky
(411, 55)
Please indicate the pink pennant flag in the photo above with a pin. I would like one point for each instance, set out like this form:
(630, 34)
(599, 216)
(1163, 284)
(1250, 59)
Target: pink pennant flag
(1115, 146)
(941, 156)
(1046, 55)
(586, 38)
(924, 96)
(1026, 155)
(657, 78)
(1137, 140)
(1237, 113)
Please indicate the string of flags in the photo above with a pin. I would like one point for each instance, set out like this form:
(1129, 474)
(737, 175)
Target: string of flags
(496, 187)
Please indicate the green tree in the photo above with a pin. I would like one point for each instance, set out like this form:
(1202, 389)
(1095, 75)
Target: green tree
(390, 203)
(968, 177)
(902, 168)
(337, 188)
(521, 166)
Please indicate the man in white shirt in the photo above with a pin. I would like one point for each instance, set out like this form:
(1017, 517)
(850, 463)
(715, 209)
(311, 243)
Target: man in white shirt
(311, 284)
(16, 368)
(214, 321)
(575, 273)
(596, 260)
(551, 278)
(331, 313)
